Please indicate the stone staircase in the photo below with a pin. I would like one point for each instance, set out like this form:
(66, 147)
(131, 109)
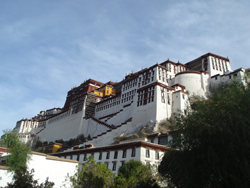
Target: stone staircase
(107, 134)
(102, 123)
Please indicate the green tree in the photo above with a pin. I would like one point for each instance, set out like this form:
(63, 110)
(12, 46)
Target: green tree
(17, 162)
(25, 180)
(92, 175)
(135, 174)
(213, 144)
(38, 144)
(19, 151)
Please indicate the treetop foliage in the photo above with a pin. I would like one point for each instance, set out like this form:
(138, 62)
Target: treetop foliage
(135, 174)
(131, 174)
(25, 180)
(19, 152)
(17, 162)
(92, 175)
(213, 142)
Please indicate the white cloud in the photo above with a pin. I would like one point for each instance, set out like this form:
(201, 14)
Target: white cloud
(48, 47)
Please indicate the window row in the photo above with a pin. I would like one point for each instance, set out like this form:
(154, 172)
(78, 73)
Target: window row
(127, 99)
(124, 154)
(175, 68)
(109, 101)
(107, 106)
(146, 78)
(115, 156)
(130, 84)
(145, 96)
(157, 154)
(129, 93)
(219, 65)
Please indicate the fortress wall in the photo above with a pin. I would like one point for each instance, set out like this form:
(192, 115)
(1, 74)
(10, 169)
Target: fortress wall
(108, 111)
(143, 114)
(171, 81)
(108, 138)
(65, 128)
(123, 115)
(205, 80)
(162, 106)
(192, 82)
(180, 102)
(26, 126)
(215, 81)
(93, 128)
(35, 130)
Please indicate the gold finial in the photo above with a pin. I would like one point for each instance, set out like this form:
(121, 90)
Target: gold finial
(132, 71)
(126, 74)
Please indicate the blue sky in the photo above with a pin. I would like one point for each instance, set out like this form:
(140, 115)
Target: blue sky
(48, 47)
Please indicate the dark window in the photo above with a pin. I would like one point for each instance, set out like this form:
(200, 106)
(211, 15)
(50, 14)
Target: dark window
(124, 153)
(147, 153)
(100, 156)
(107, 156)
(133, 152)
(114, 167)
(77, 158)
(163, 140)
(115, 155)
(85, 157)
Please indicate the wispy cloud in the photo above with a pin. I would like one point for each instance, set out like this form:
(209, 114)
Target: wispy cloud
(47, 47)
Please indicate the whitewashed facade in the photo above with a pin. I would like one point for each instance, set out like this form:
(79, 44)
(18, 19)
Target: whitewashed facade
(143, 98)
(116, 155)
(45, 166)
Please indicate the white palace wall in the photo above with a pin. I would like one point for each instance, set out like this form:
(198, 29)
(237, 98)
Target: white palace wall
(45, 166)
(180, 102)
(53, 167)
(65, 128)
(146, 98)
(218, 66)
(108, 138)
(238, 75)
(162, 109)
(92, 128)
(124, 115)
(195, 83)
(118, 154)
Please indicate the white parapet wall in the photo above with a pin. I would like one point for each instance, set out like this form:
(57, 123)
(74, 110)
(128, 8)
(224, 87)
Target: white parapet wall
(55, 168)
(116, 155)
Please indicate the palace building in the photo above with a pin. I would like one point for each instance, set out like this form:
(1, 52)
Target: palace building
(143, 98)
